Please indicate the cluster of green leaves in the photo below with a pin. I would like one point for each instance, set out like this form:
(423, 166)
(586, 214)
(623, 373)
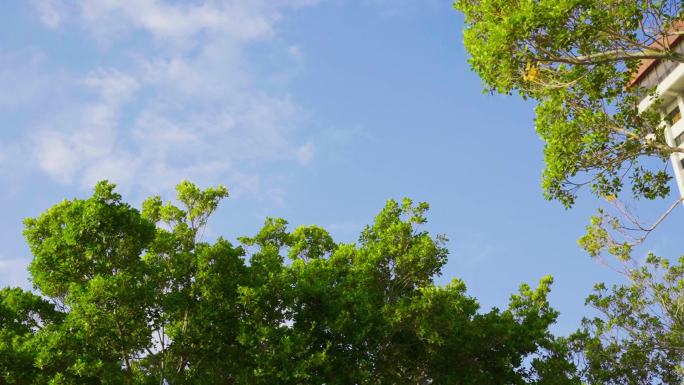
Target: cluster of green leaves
(576, 58)
(136, 297)
(638, 335)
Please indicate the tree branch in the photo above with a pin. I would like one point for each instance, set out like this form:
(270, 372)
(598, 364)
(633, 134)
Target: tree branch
(615, 55)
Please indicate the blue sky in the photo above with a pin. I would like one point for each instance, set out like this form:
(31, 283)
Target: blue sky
(315, 111)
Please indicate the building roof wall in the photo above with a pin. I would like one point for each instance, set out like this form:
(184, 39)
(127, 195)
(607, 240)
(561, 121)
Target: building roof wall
(647, 65)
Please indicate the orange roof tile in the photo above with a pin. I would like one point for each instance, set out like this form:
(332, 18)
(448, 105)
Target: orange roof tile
(646, 65)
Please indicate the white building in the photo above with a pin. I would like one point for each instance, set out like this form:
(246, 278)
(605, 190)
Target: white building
(668, 77)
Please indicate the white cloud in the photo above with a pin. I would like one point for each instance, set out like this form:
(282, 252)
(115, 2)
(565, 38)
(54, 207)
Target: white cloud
(86, 136)
(170, 20)
(113, 86)
(402, 7)
(180, 20)
(20, 73)
(13, 273)
(295, 53)
(217, 71)
(50, 12)
(174, 145)
(56, 156)
(164, 143)
(305, 153)
(168, 114)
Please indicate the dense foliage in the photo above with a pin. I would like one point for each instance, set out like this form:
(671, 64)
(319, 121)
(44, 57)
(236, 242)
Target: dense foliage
(637, 338)
(576, 59)
(137, 297)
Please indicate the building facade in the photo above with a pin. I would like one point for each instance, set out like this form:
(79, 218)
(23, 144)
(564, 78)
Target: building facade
(668, 78)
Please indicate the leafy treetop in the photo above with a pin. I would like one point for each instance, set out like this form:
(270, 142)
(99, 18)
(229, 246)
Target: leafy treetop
(576, 59)
(130, 297)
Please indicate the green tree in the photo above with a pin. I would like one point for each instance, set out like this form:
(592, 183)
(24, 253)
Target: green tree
(22, 315)
(637, 336)
(576, 59)
(139, 297)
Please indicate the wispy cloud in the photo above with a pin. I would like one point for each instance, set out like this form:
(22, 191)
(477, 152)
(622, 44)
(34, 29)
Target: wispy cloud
(22, 79)
(13, 272)
(183, 101)
(89, 133)
(50, 12)
(242, 20)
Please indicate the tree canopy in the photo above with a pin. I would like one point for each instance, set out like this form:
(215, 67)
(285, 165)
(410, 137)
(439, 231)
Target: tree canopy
(138, 297)
(577, 59)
